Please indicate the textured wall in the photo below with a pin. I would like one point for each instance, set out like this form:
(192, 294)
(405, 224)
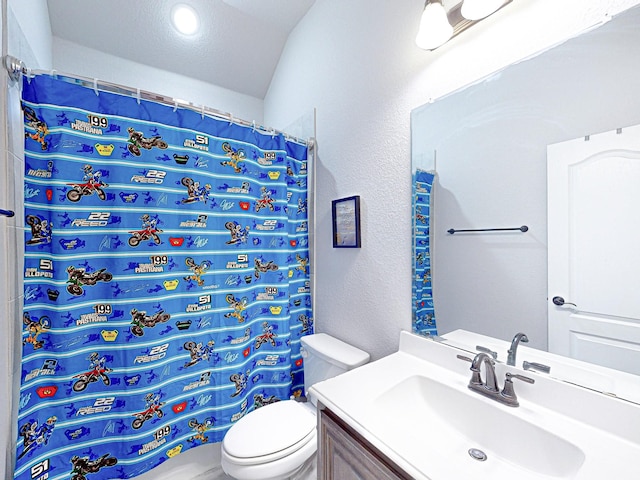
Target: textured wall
(350, 60)
(30, 32)
(79, 60)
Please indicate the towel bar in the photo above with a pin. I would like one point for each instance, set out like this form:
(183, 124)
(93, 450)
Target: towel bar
(523, 228)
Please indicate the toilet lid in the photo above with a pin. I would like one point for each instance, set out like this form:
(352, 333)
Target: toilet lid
(269, 429)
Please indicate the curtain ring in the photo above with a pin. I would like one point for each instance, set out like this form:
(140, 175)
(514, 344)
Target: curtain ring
(175, 105)
(53, 73)
(202, 111)
(138, 95)
(254, 126)
(230, 119)
(95, 86)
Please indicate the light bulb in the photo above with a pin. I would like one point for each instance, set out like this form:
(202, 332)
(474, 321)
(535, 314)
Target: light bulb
(185, 19)
(478, 9)
(435, 28)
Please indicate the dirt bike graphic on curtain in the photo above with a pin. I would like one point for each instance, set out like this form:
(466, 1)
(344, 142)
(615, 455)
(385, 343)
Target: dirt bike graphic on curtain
(91, 183)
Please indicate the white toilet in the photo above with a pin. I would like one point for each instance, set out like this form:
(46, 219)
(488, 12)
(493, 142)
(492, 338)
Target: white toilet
(278, 441)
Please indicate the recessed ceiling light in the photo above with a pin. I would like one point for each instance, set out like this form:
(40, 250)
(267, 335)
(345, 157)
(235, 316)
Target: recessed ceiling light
(185, 19)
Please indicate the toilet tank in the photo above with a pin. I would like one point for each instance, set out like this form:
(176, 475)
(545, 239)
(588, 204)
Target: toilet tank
(326, 357)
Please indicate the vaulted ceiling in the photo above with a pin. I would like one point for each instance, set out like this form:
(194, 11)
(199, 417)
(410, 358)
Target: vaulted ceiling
(237, 47)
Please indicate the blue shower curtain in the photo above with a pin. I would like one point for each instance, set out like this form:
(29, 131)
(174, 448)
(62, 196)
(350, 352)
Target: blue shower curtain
(166, 279)
(424, 319)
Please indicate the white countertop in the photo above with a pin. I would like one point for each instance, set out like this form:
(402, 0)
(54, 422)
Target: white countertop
(606, 430)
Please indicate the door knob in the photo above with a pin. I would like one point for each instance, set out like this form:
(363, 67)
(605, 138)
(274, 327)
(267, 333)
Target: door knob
(559, 301)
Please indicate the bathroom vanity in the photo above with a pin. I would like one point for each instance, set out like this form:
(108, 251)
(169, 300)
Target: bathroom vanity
(413, 415)
(344, 454)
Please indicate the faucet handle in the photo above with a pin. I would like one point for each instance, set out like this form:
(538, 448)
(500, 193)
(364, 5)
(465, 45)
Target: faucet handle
(536, 366)
(480, 348)
(510, 375)
(475, 376)
(508, 394)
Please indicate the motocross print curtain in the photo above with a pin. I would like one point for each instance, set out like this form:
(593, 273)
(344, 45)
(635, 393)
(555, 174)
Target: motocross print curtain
(424, 320)
(166, 280)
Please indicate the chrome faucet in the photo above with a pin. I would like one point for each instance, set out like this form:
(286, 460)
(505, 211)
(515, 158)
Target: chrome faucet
(489, 388)
(490, 384)
(511, 354)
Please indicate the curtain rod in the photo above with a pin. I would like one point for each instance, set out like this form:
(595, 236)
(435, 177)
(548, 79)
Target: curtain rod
(16, 68)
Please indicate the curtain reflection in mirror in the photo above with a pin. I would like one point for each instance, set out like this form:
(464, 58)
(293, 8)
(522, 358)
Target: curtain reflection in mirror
(424, 320)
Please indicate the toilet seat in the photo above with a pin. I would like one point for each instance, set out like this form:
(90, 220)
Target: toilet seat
(270, 433)
(263, 459)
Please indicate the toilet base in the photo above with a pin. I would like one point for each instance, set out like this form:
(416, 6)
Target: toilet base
(309, 471)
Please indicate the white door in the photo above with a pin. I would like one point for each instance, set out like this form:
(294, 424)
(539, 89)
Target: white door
(594, 248)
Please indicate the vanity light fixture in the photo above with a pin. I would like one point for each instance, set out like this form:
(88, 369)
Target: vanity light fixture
(185, 19)
(439, 24)
(478, 9)
(435, 28)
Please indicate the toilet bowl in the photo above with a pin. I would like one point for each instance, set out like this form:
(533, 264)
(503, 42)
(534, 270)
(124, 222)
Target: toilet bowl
(279, 441)
(273, 442)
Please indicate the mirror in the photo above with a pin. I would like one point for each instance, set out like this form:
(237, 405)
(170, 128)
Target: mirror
(487, 144)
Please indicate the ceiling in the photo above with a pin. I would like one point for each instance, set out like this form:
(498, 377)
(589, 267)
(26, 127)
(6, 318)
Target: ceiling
(238, 45)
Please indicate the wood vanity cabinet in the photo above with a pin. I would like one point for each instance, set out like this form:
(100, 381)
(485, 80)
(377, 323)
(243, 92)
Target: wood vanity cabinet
(343, 454)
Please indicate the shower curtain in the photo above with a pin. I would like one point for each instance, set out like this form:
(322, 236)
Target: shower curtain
(424, 320)
(166, 279)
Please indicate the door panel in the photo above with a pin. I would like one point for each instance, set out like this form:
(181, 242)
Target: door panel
(604, 341)
(594, 248)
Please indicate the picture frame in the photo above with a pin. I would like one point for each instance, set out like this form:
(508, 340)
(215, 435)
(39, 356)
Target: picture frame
(345, 213)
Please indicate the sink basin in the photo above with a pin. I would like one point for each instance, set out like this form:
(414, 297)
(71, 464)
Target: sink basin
(416, 408)
(460, 422)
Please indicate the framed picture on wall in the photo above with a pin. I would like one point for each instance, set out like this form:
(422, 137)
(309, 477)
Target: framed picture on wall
(345, 213)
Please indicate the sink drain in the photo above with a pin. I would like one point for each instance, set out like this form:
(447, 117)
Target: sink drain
(477, 454)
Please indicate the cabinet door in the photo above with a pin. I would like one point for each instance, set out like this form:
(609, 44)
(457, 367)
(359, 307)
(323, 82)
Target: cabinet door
(345, 455)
